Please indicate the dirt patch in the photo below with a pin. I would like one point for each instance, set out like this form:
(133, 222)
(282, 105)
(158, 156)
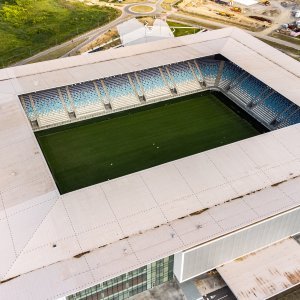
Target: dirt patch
(200, 23)
(133, 1)
(260, 19)
(223, 13)
(285, 37)
(271, 13)
(103, 39)
(167, 4)
(146, 20)
(142, 9)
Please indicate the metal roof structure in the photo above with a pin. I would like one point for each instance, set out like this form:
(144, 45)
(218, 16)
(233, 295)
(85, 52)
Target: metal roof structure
(259, 59)
(133, 32)
(54, 245)
(264, 273)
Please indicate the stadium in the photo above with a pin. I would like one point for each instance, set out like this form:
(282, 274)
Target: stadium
(128, 168)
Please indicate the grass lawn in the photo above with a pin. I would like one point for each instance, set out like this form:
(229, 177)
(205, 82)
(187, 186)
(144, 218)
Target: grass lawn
(58, 52)
(30, 26)
(198, 23)
(93, 151)
(287, 50)
(182, 31)
(291, 39)
(141, 9)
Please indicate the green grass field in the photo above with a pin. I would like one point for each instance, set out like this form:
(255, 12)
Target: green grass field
(30, 26)
(182, 31)
(94, 151)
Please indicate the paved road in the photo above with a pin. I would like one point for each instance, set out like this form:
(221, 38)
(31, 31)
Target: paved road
(256, 34)
(221, 294)
(128, 10)
(127, 14)
(88, 37)
(99, 31)
(95, 33)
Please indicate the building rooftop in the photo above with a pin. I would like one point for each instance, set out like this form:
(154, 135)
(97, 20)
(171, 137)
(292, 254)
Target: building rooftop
(133, 32)
(257, 58)
(265, 272)
(53, 245)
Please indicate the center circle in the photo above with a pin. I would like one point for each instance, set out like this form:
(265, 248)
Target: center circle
(141, 9)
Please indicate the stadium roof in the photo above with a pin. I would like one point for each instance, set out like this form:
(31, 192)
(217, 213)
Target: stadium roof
(133, 32)
(264, 273)
(259, 59)
(53, 245)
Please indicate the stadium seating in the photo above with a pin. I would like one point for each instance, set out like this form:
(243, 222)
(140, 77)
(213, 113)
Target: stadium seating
(196, 70)
(103, 95)
(66, 99)
(28, 108)
(284, 115)
(136, 85)
(57, 105)
(86, 98)
(120, 91)
(184, 78)
(272, 106)
(248, 89)
(294, 118)
(266, 92)
(49, 107)
(153, 83)
(229, 74)
(168, 78)
(210, 70)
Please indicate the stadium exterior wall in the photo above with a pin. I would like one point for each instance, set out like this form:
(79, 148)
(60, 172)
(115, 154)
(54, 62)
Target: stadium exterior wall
(193, 262)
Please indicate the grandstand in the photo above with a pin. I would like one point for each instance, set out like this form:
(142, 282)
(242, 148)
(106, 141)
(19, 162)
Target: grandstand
(178, 219)
(48, 108)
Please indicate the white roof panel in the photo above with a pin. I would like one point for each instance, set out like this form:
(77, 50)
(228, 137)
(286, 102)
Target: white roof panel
(264, 273)
(145, 213)
(132, 209)
(259, 59)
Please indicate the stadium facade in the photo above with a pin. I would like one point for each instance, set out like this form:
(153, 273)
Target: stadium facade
(180, 219)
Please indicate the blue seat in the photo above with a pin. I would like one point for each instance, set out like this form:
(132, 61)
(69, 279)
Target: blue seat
(231, 72)
(151, 80)
(65, 96)
(181, 72)
(251, 88)
(294, 118)
(28, 108)
(209, 69)
(118, 87)
(47, 102)
(84, 94)
(276, 103)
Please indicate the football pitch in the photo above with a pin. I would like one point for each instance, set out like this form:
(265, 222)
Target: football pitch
(93, 151)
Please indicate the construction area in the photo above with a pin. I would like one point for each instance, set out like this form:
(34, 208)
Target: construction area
(275, 21)
(253, 15)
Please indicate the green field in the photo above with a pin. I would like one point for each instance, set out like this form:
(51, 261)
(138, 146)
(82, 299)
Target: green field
(182, 31)
(30, 26)
(93, 151)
